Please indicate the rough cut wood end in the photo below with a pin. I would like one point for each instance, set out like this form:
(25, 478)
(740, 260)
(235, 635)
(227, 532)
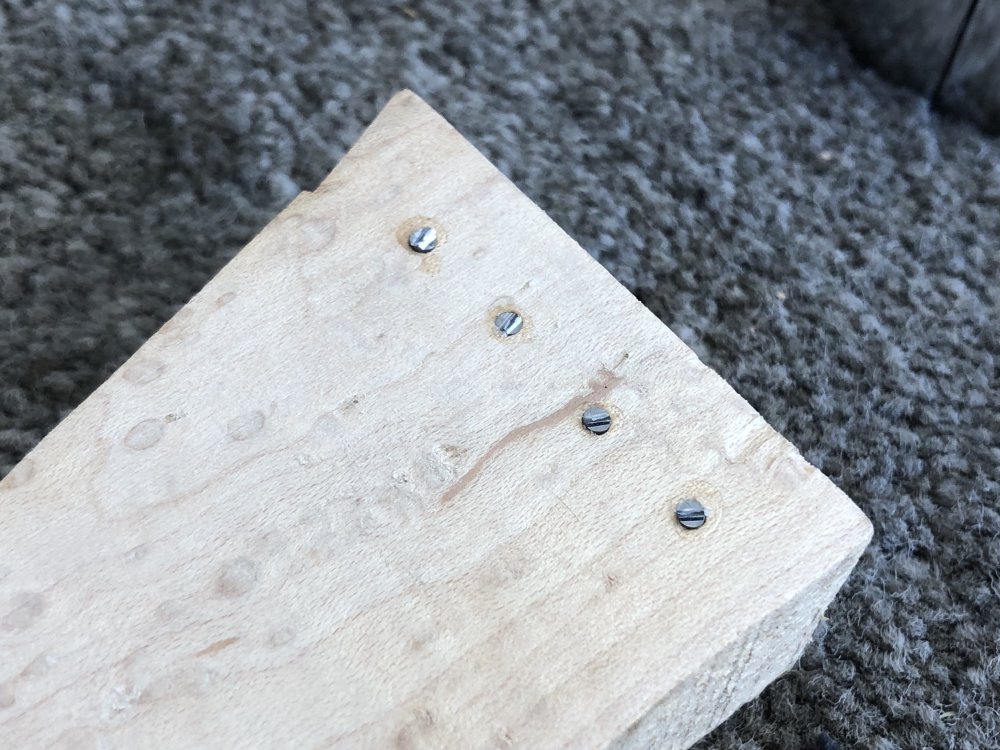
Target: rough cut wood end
(329, 505)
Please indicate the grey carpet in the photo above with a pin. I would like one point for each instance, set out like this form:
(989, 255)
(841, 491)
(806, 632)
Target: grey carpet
(817, 236)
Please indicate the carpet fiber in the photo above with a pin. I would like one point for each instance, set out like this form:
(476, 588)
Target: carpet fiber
(817, 236)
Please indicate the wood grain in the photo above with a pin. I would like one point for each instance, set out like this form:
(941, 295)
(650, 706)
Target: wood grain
(327, 505)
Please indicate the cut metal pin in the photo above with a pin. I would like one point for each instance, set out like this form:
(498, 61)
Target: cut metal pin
(509, 323)
(691, 514)
(597, 419)
(423, 239)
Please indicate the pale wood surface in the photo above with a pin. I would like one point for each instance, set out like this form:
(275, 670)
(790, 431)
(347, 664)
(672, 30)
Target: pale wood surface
(327, 505)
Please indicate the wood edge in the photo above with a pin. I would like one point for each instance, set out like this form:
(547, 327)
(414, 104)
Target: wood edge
(753, 659)
(401, 105)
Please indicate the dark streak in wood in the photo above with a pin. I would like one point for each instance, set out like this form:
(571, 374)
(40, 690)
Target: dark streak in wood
(218, 646)
(599, 386)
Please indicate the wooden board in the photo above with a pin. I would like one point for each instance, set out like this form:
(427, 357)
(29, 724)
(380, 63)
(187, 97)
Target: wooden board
(328, 505)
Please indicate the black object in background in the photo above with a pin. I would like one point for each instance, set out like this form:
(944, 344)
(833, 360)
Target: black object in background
(948, 50)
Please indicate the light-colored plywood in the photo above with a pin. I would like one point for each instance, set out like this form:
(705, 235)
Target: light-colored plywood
(327, 505)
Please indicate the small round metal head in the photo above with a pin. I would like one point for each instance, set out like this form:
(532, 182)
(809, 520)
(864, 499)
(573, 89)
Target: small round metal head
(423, 239)
(597, 419)
(509, 323)
(691, 514)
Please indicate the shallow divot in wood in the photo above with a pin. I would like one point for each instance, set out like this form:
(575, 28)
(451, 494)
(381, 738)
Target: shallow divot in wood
(145, 434)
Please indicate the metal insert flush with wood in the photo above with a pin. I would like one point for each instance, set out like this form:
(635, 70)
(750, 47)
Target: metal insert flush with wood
(393, 478)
